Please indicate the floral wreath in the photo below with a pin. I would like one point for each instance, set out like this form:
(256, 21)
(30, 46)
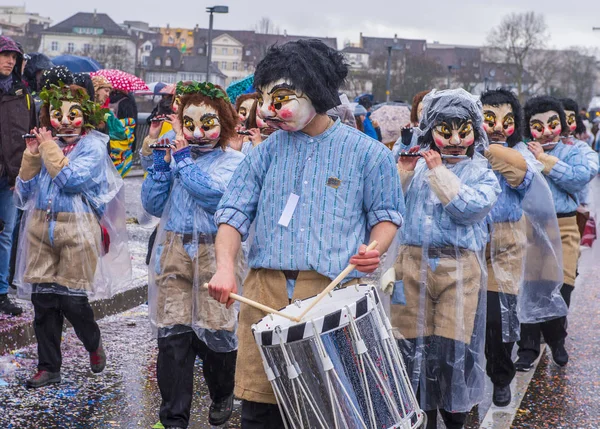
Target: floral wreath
(54, 95)
(205, 88)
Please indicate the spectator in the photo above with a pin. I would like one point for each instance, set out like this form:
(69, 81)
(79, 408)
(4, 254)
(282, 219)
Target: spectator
(121, 151)
(17, 117)
(370, 128)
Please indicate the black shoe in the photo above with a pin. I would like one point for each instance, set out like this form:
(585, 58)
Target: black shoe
(525, 362)
(8, 307)
(501, 396)
(98, 359)
(559, 354)
(219, 412)
(43, 378)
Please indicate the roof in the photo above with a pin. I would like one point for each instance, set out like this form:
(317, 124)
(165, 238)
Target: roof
(354, 50)
(255, 44)
(89, 20)
(380, 44)
(179, 62)
(194, 63)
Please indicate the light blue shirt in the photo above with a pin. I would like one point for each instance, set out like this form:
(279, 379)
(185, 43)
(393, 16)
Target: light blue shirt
(568, 176)
(462, 223)
(509, 208)
(201, 184)
(78, 186)
(346, 183)
(583, 196)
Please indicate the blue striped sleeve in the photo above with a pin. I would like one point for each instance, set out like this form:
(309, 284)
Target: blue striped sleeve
(155, 191)
(383, 200)
(573, 173)
(473, 204)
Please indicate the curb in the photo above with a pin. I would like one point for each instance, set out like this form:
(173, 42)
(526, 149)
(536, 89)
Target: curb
(22, 334)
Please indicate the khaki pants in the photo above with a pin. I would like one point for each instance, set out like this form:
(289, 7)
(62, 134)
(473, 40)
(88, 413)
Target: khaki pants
(269, 288)
(569, 237)
(71, 258)
(451, 295)
(505, 270)
(181, 297)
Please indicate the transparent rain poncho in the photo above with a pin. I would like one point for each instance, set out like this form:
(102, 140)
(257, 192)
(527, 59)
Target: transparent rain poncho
(525, 250)
(441, 267)
(185, 195)
(73, 237)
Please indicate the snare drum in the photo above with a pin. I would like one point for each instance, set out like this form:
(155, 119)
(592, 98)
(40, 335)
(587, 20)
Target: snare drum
(340, 367)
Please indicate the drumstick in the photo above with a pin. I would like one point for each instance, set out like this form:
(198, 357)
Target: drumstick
(335, 282)
(259, 306)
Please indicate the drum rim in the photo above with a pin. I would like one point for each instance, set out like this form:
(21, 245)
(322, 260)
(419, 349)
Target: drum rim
(325, 323)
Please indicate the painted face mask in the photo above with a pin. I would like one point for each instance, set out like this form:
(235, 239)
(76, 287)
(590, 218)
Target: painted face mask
(498, 122)
(201, 126)
(68, 120)
(454, 137)
(282, 107)
(571, 121)
(546, 128)
(245, 109)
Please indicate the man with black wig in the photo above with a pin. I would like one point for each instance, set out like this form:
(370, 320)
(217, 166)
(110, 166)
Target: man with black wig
(341, 189)
(567, 171)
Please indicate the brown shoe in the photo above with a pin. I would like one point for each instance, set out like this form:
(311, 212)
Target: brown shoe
(43, 378)
(98, 359)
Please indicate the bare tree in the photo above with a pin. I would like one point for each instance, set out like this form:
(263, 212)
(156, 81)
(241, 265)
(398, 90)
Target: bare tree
(266, 26)
(546, 69)
(516, 37)
(580, 72)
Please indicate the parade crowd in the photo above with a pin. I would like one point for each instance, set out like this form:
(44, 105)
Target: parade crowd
(269, 189)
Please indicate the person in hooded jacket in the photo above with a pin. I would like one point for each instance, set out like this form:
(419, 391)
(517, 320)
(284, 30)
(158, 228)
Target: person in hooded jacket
(17, 117)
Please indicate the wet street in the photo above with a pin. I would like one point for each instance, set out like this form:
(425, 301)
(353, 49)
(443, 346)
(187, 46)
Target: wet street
(126, 394)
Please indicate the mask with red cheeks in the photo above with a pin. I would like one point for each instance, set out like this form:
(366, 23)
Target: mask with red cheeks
(454, 137)
(571, 120)
(201, 125)
(545, 127)
(67, 120)
(498, 122)
(282, 107)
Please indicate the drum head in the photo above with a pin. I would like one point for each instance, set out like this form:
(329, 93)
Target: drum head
(332, 312)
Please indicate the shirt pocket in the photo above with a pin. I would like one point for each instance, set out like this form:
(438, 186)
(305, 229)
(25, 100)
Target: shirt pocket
(342, 196)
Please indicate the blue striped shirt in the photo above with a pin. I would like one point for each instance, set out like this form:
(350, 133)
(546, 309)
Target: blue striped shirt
(568, 176)
(583, 196)
(346, 181)
(509, 208)
(462, 223)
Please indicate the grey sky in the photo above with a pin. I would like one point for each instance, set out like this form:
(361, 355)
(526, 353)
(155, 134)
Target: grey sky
(465, 22)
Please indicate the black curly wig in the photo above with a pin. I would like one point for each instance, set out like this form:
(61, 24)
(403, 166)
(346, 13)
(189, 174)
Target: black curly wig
(312, 67)
(496, 98)
(570, 104)
(542, 104)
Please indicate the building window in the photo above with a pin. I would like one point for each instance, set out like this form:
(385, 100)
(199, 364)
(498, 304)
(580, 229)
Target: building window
(246, 66)
(236, 51)
(54, 46)
(168, 62)
(145, 61)
(235, 66)
(248, 52)
(224, 51)
(102, 49)
(87, 48)
(200, 51)
(171, 40)
(148, 48)
(224, 65)
(157, 61)
(71, 47)
(182, 40)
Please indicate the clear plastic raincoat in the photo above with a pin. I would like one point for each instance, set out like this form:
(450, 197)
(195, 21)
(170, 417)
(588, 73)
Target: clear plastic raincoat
(441, 267)
(73, 236)
(185, 195)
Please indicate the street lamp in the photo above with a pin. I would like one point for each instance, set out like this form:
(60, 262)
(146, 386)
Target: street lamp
(211, 10)
(389, 71)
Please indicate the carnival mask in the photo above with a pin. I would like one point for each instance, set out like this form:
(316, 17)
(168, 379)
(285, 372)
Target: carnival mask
(201, 125)
(245, 109)
(67, 120)
(571, 121)
(498, 122)
(454, 137)
(545, 127)
(282, 107)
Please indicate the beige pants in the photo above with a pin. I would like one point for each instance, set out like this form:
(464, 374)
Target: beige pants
(71, 258)
(177, 301)
(505, 269)
(451, 295)
(570, 238)
(269, 288)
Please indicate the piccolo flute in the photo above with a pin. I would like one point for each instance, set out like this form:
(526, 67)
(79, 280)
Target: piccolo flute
(417, 154)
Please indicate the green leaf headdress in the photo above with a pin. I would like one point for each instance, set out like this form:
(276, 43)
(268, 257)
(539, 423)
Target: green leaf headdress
(54, 95)
(204, 88)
